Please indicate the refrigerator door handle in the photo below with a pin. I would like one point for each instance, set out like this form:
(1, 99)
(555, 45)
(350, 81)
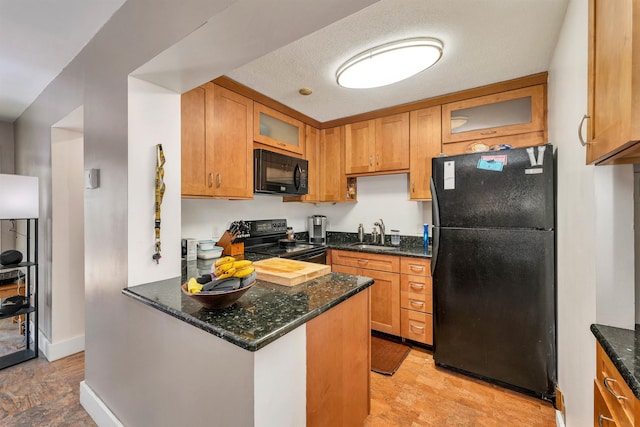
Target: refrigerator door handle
(434, 204)
(434, 249)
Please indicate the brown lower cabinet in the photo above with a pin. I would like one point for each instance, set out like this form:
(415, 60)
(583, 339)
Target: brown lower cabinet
(614, 404)
(416, 301)
(401, 297)
(338, 364)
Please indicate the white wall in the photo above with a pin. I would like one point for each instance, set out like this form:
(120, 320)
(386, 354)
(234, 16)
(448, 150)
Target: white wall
(7, 239)
(614, 250)
(385, 197)
(585, 224)
(66, 295)
(154, 118)
(6, 147)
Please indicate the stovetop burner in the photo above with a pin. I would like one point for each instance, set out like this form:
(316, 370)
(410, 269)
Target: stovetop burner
(265, 236)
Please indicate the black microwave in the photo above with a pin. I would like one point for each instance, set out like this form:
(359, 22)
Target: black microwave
(275, 173)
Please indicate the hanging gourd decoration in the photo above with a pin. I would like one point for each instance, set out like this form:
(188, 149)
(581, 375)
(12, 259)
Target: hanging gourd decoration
(159, 194)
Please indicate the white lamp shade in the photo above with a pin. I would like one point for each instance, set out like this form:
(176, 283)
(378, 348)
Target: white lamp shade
(18, 197)
(389, 63)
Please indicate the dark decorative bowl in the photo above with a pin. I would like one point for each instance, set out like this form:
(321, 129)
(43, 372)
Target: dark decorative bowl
(218, 299)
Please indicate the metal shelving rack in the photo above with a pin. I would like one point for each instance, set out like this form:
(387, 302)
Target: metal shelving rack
(30, 268)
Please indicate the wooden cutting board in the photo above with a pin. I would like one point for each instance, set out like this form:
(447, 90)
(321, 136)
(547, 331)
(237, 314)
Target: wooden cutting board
(289, 272)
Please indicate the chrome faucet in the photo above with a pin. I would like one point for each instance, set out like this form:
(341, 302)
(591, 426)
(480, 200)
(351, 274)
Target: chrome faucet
(382, 231)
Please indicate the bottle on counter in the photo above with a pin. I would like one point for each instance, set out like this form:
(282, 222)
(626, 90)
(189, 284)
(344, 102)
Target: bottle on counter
(374, 236)
(360, 233)
(425, 236)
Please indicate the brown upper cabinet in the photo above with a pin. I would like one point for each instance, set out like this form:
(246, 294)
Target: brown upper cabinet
(333, 182)
(613, 127)
(217, 143)
(519, 115)
(378, 145)
(425, 144)
(312, 155)
(274, 129)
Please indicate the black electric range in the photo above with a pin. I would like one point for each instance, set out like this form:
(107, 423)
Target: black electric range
(269, 237)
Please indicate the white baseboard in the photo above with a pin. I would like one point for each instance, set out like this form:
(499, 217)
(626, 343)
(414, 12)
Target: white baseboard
(96, 408)
(60, 349)
(559, 419)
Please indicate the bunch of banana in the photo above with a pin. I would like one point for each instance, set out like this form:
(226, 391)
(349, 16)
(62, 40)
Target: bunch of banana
(228, 267)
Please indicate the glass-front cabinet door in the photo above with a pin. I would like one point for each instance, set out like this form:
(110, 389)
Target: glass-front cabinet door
(270, 127)
(501, 114)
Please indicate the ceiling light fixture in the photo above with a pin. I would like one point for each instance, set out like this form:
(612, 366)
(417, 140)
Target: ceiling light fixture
(389, 63)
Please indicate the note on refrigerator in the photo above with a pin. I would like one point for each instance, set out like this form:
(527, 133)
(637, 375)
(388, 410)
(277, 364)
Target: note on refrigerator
(450, 175)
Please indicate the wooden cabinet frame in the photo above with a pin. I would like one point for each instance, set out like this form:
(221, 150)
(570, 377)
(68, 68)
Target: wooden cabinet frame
(266, 140)
(538, 115)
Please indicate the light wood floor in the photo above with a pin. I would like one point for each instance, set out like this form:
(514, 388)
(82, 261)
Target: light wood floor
(39, 393)
(419, 394)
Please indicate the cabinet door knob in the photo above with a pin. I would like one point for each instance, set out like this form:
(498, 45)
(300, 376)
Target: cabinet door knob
(580, 137)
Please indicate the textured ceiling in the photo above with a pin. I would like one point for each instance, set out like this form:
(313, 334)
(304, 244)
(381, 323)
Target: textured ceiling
(485, 41)
(39, 38)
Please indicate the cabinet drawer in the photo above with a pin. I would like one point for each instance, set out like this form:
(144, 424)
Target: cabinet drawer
(416, 284)
(344, 269)
(615, 392)
(601, 414)
(417, 302)
(417, 326)
(367, 261)
(417, 266)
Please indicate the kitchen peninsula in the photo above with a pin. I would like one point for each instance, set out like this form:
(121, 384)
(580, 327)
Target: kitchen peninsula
(284, 356)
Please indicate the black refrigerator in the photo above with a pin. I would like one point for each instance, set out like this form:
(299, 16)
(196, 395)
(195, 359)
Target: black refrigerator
(493, 267)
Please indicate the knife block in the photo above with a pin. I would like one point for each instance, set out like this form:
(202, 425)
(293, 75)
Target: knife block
(228, 247)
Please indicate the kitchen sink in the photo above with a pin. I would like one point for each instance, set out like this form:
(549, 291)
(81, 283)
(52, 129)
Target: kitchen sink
(374, 247)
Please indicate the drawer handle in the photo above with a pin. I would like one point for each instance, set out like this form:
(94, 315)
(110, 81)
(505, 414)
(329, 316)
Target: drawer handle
(416, 285)
(603, 418)
(419, 328)
(363, 261)
(489, 132)
(605, 381)
(416, 267)
(210, 179)
(416, 303)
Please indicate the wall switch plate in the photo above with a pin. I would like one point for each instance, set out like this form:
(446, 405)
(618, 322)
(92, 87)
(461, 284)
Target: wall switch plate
(91, 178)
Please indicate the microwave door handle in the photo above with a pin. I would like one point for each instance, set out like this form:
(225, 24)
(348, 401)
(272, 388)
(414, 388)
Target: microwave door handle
(297, 174)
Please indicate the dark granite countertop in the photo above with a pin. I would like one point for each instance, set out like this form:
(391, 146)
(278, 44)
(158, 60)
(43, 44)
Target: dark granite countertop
(623, 348)
(410, 246)
(265, 313)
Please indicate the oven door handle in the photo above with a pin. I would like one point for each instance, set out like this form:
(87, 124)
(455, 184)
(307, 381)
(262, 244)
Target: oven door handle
(297, 176)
